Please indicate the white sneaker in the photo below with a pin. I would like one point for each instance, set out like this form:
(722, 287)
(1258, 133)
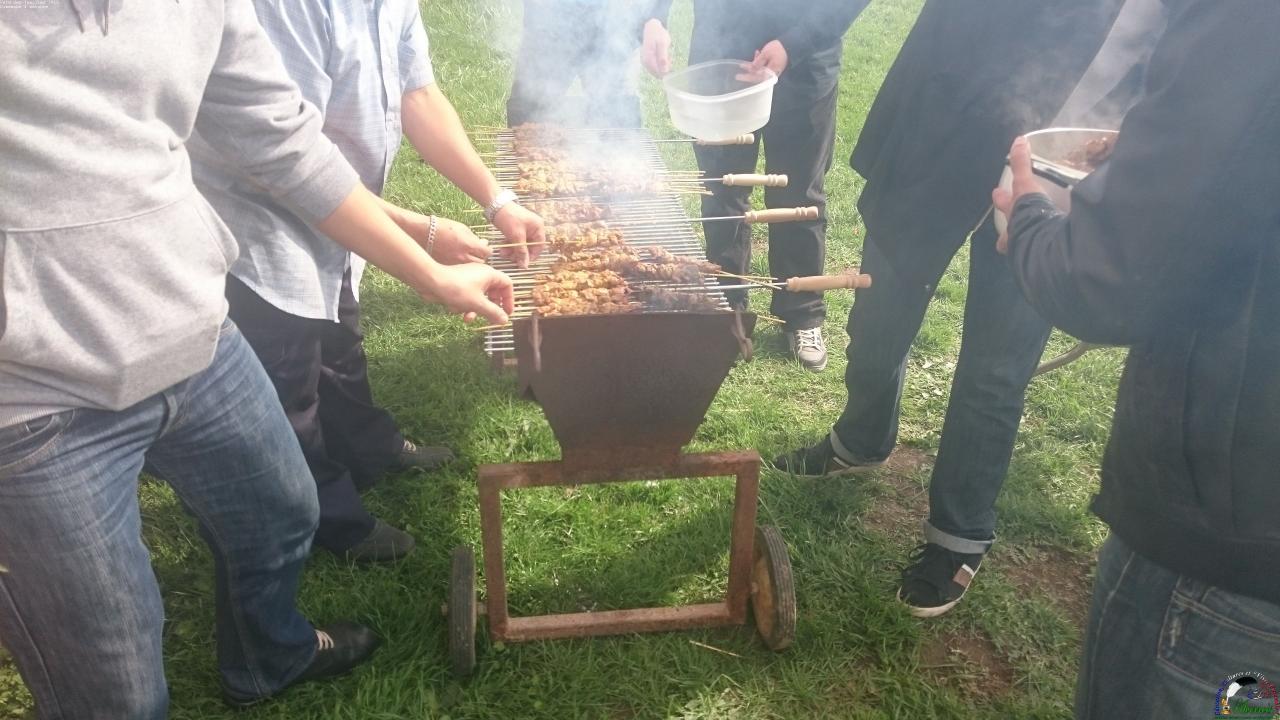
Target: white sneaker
(809, 348)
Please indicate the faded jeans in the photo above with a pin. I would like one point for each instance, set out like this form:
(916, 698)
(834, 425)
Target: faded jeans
(1002, 344)
(1159, 645)
(80, 609)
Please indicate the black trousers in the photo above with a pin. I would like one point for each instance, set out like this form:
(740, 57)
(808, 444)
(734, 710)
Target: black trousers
(564, 40)
(320, 372)
(1001, 346)
(799, 141)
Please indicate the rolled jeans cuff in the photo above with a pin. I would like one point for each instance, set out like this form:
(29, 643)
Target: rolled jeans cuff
(849, 458)
(961, 545)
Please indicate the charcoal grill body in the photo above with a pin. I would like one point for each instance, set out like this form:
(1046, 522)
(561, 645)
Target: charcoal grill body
(623, 395)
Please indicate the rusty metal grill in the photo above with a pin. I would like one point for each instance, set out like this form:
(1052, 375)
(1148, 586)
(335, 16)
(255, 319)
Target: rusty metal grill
(653, 218)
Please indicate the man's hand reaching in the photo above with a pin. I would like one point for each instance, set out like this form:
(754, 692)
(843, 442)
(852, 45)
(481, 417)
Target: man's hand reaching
(520, 225)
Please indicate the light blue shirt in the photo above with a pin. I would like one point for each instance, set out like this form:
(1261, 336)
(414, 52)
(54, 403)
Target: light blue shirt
(354, 60)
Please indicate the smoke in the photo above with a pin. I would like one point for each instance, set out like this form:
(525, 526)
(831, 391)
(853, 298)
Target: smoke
(575, 62)
(1113, 82)
(1086, 65)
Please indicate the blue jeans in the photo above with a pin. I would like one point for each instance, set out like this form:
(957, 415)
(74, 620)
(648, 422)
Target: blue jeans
(1160, 645)
(1003, 341)
(80, 609)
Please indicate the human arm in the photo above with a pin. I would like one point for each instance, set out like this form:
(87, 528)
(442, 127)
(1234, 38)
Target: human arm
(434, 129)
(1158, 236)
(253, 115)
(453, 244)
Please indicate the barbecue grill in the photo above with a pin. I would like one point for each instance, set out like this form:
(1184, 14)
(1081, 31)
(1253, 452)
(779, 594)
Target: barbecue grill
(624, 394)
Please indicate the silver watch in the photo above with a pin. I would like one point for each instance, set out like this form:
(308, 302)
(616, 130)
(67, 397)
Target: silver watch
(502, 199)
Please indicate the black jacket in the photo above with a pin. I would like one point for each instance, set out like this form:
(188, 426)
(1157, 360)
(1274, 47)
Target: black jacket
(971, 76)
(1173, 248)
(725, 29)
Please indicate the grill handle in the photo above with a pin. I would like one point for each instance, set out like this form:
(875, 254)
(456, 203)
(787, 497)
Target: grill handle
(745, 139)
(818, 283)
(754, 180)
(779, 215)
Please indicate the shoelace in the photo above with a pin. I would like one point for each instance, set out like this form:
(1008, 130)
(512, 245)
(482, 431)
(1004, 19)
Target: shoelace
(323, 640)
(409, 447)
(810, 339)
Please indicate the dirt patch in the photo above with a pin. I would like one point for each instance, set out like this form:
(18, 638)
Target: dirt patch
(1060, 576)
(897, 511)
(969, 663)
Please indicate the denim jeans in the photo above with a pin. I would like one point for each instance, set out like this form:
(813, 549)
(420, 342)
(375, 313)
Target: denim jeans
(1002, 344)
(80, 609)
(1160, 645)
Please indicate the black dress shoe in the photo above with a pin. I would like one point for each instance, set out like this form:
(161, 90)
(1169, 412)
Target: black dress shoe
(340, 647)
(384, 544)
(412, 457)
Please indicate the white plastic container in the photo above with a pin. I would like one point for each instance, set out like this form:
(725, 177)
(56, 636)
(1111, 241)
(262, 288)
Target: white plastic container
(1048, 150)
(719, 100)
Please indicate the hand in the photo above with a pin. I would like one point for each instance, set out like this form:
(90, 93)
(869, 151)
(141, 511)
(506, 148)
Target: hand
(455, 243)
(655, 50)
(520, 225)
(1024, 182)
(772, 56)
(472, 290)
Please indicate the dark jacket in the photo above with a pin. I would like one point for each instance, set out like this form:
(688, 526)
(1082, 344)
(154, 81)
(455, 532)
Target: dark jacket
(735, 29)
(1173, 248)
(971, 76)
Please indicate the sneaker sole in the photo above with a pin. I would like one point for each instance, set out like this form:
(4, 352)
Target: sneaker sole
(814, 368)
(931, 612)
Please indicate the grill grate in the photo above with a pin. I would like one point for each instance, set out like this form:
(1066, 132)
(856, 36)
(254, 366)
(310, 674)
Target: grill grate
(655, 218)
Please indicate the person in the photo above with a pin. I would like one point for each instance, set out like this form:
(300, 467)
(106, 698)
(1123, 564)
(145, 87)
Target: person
(1172, 248)
(591, 41)
(115, 350)
(294, 292)
(971, 75)
(800, 41)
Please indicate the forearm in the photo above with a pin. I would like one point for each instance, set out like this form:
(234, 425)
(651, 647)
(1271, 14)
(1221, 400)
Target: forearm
(435, 131)
(406, 219)
(363, 224)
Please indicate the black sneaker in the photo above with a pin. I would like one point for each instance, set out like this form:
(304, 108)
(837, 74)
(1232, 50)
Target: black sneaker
(384, 544)
(340, 647)
(936, 579)
(820, 461)
(412, 457)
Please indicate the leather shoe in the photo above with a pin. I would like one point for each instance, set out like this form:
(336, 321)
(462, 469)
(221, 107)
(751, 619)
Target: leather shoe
(384, 544)
(340, 647)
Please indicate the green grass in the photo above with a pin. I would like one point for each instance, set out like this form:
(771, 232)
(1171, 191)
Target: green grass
(1008, 651)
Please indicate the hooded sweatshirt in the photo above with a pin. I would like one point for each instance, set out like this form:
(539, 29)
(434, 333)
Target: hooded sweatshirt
(112, 266)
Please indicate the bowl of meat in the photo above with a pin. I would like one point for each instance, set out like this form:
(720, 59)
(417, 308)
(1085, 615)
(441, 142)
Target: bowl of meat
(720, 100)
(1060, 158)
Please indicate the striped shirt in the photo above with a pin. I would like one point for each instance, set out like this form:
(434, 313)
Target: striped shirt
(354, 60)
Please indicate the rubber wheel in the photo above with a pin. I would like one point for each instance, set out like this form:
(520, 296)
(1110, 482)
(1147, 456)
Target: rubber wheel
(773, 593)
(462, 612)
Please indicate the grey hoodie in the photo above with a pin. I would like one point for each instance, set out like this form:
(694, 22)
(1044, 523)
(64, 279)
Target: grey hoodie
(111, 264)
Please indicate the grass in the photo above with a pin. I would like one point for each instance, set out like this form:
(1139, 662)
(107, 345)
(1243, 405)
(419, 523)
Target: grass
(1008, 651)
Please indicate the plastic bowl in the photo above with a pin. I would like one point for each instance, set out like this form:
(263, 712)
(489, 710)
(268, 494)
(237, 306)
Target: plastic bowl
(718, 101)
(1048, 150)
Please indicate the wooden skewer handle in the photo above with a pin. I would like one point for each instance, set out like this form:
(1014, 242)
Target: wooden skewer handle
(754, 180)
(781, 215)
(818, 283)
(745, 139)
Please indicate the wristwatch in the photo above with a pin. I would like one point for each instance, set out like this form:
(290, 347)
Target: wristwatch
(502, 199)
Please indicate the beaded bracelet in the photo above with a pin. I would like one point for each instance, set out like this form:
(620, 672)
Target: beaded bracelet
(431, 234)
